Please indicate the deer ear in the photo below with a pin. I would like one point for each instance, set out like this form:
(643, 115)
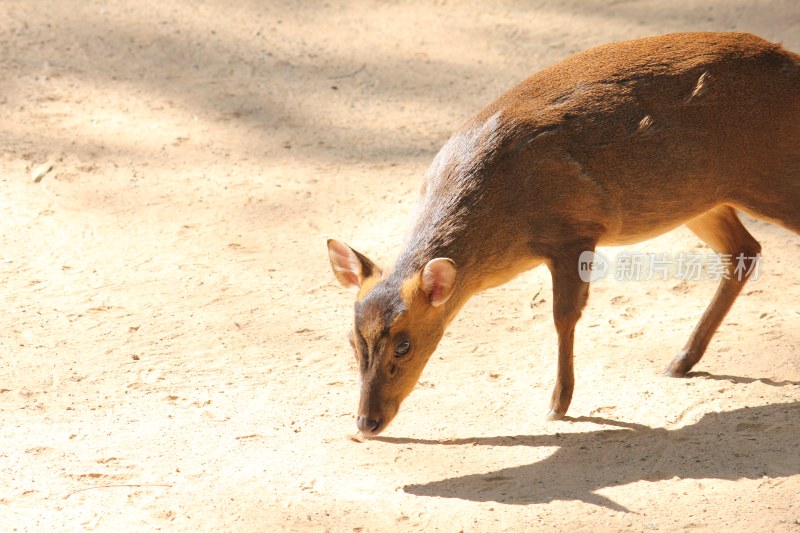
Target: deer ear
(438, 280)
(350, 267)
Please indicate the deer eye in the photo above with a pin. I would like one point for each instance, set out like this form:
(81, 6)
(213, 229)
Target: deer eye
(402, 348)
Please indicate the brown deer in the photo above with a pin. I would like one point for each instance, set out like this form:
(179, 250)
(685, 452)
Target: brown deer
(608, 147)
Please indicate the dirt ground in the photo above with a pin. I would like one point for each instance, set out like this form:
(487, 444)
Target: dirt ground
(173, 348)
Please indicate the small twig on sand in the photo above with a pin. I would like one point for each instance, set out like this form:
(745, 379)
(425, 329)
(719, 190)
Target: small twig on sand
(116, 485)
(348, 75)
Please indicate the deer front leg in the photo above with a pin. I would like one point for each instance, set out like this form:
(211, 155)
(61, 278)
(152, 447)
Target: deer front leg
(570, 294)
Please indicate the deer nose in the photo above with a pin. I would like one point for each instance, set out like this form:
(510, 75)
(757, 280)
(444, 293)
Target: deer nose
(368, 426)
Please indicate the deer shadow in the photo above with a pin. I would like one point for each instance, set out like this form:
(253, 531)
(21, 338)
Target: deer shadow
(740, 380)
(745, 443)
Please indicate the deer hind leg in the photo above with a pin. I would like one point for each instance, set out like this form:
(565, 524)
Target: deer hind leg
(722, 230)
(776, 199)
(786, 214)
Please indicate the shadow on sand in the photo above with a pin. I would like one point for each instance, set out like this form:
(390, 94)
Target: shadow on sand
(745, 443)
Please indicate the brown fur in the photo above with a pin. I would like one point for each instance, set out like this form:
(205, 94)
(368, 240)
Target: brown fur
(611, 146)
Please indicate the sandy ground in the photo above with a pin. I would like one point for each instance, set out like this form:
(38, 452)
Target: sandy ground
(173, 343)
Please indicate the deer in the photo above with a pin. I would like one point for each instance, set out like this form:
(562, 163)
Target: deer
(609, 147)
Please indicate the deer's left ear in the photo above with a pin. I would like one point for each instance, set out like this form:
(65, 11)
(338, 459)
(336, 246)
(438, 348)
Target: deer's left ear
(438, 279)
(350, 267)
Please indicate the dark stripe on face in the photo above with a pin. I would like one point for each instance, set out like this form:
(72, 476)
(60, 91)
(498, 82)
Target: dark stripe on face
(363, 351)
(382, 304)
(374, 315)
